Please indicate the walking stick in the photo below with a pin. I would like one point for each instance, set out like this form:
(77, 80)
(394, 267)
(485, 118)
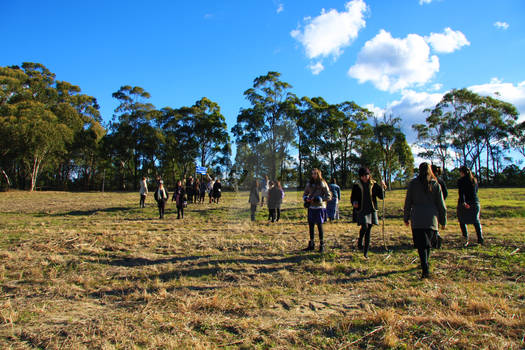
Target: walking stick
(383, 214)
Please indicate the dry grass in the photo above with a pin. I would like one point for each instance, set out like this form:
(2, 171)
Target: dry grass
(93, 271)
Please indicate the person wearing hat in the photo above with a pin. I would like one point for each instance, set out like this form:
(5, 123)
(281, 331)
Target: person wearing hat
(161, 196)
(315, 196)
(364, 201)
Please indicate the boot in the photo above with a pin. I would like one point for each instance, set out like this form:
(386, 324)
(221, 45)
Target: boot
(310, 247)
(321, 247)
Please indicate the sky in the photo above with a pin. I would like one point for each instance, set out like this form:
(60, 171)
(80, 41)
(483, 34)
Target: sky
(395, 57)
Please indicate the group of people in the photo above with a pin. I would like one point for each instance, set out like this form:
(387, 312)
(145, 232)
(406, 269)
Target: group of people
(424, 209)
(192, 192)
(273, 192)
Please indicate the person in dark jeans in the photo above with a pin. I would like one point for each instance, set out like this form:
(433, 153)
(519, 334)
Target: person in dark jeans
(468, 204)
(179, 197)
(437, 242)
(161, 196)
(364, 200)
(254, 199)
(424, 209)
(275, 199)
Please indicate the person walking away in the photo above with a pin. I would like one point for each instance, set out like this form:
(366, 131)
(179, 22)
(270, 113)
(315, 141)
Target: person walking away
(202, 192)
(424, 209)
(364, 201)
(332, 207)
(189, 188)
(209, 188)
(436, 170)
(275, 199)
(143, 192)
(264, 190)
(254, 198)
(217, 189)
(161, 196)
(179, 197)
(315, 196)
(468, 204)
(196, 189)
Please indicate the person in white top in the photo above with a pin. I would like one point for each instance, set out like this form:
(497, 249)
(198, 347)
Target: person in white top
(143, 192)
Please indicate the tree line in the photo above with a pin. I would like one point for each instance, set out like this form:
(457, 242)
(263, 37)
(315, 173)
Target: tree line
(53, 136)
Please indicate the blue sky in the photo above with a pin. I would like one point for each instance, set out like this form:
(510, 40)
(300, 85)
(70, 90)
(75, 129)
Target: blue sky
(394, 56)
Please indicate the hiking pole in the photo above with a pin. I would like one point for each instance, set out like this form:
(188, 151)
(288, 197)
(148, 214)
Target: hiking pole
(383, 211)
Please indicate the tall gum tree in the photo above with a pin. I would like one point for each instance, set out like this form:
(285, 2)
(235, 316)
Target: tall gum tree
(268, 122)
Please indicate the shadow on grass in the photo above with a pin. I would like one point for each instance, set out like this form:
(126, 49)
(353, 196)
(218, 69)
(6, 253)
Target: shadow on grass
(94, 211)
(373, 276)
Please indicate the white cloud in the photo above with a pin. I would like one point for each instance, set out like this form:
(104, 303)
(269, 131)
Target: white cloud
(280, 8)
(508, 92)
(421, 2)
(411, 106)
(447, 42)
(316, 68)
(331, 31)
(377, 111)
(393, 64)
(501, 25)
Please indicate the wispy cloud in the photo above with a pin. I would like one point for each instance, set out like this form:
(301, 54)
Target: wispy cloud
(422, 2)
(316, 68)
(501, 25)
(280, 8)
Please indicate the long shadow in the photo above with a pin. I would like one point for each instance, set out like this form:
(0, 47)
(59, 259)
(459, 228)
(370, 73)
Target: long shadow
(93, 211)
(128, 291)
(374, 276)
(133, 262)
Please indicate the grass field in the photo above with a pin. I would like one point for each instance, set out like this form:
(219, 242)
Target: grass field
(93, 271)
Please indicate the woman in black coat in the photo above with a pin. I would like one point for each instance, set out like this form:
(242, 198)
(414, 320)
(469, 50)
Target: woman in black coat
(364, 200)
(275, 199)
(217, 189)
(468, 204)
(161, 196)
(424, 210)
(436, 170)
(179, 197)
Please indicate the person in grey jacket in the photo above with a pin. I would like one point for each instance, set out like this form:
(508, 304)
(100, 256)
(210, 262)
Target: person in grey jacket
(424, 209)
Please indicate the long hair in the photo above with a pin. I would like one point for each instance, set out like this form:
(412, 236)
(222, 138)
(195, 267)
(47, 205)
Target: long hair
(278, 185)
(319, 179)
(468, 174)
(436, 170)
(426, 176)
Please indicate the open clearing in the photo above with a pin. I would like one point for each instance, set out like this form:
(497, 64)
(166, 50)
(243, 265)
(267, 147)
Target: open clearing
(93, 271)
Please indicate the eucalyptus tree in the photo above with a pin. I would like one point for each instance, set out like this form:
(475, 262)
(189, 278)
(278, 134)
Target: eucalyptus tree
(179, 148)
(40, 119)
(136, 135)
(268, 123)
(496, 123)
(395, 154)
(210, 133)
(354, 131)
